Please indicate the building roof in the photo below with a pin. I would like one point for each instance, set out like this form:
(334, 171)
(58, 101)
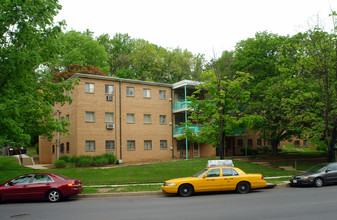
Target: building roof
(187, 83)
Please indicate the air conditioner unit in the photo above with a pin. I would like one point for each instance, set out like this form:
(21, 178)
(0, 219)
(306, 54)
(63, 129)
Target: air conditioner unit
(170, 99)
(170, 123)
(110, 126)
(109, 97)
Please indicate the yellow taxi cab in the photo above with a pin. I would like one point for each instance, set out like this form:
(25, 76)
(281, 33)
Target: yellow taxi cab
(223, 178)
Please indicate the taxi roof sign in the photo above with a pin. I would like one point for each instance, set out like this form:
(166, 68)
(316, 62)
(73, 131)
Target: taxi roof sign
(220, 163)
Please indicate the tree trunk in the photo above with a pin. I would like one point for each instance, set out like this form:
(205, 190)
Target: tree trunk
(274, 146)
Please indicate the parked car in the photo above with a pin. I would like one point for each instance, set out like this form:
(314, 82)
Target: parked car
(215, 179)
(50, 186)
(319, 175)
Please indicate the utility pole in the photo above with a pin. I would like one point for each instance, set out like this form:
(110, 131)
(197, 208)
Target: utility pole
(58, 138)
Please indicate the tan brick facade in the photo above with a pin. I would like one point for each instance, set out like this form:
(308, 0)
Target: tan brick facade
(134, 120)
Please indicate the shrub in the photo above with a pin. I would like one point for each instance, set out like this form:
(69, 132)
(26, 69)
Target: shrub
(60, 163)
(73, 160)
(110, 157)
(64, 158)
(264, 149)
(99, 161)
(84, 161)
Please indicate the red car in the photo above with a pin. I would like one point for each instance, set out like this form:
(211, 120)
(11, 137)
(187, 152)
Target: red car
(50, 186)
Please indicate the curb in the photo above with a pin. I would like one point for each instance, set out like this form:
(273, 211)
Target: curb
(152, 193)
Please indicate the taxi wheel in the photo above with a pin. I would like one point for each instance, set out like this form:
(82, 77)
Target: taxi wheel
(185, 190)
(243, 187)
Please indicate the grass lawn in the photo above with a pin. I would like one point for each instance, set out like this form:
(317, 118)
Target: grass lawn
(147, 173)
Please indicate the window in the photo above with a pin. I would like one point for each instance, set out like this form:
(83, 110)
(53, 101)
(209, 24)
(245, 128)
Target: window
(53, 149)
(42, 178)
(147, 118)
(67, 117)
(131, 145)
(305, 142)
(68, 147)
(181, 144)
(109, 89)
(229, 172)
(147, 145)
(62, 148)
(109, 117)
(22, 180)
(109, 145)
(163, 144)
(162, 94)
(162, 119)
(90, 116)
(240, 143)
(147, 93)
(130, 118)
(89, 145)
(250, 143)
(130, 91)
(297, 143)
(89, 87)
(259, 142)
(213, 173)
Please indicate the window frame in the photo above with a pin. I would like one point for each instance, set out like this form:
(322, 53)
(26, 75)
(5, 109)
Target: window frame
(106, 145)
(146, 93)
(164, 122)
(161, 144)
(147, 119)
(90, 146)
(131, 145)
(88, 119)
(89, 87)
(112, 115)
(162, 94)
(128, 91)
(107, 90)
(128, 115)
(147, 144)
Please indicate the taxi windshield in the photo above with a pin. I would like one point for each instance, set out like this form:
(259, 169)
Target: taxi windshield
(200, 173)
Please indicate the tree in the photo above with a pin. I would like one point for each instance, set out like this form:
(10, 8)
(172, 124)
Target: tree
(27, 32)
(315, 66)
(220, 109)
(79, 48)
(271, 88)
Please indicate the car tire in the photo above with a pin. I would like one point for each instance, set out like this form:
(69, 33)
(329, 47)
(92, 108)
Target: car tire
(318, 182)
(54, 195)
(185, 190)
(243, 187)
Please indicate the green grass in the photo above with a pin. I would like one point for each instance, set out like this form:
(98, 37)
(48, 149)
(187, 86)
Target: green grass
(288, 148)
(147, 173)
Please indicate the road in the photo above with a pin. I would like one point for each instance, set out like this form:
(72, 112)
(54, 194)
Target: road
(281, 203)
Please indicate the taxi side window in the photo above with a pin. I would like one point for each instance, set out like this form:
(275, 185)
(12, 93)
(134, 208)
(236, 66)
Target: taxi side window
(229, 172)
(213, 173)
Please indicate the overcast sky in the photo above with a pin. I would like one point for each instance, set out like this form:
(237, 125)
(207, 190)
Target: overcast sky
(200, 26)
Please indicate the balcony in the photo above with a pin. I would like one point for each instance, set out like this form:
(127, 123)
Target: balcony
(180, 106)
(178, 130)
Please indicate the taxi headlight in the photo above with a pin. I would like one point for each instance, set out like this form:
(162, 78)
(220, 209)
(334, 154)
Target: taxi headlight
(171, 184)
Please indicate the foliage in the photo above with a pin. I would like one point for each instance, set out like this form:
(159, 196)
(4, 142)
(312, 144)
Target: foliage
(84, 161)
(81, 49)
(26, 92)
(75, 68)
(218, 105)
(271, 90)
(59, 163)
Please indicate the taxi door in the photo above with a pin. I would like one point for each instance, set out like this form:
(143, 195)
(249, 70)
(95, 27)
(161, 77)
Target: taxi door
(229, 179)
(212, 181)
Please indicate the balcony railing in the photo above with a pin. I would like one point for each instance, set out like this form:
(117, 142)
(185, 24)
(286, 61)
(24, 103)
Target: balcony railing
(181, 105)
(180, 129)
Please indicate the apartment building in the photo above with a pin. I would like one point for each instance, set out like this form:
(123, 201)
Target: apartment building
(135, 120)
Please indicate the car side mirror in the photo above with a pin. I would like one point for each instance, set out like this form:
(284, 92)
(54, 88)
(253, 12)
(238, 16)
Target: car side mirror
(204, 176)
(328, 170)
(10, 184)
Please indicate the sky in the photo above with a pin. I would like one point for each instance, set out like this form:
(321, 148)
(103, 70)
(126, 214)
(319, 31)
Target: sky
(206, 27)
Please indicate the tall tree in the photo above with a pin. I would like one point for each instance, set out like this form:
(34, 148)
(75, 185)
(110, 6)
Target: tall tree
(27, 32)
(218, 106)
(271, 89)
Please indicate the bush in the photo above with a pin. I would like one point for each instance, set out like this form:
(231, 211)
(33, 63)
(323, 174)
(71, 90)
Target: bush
(99, 161)
(64, 158)
(60, 163)
(110, 157)
(84, 161)
(73, 160)
(264, 149)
